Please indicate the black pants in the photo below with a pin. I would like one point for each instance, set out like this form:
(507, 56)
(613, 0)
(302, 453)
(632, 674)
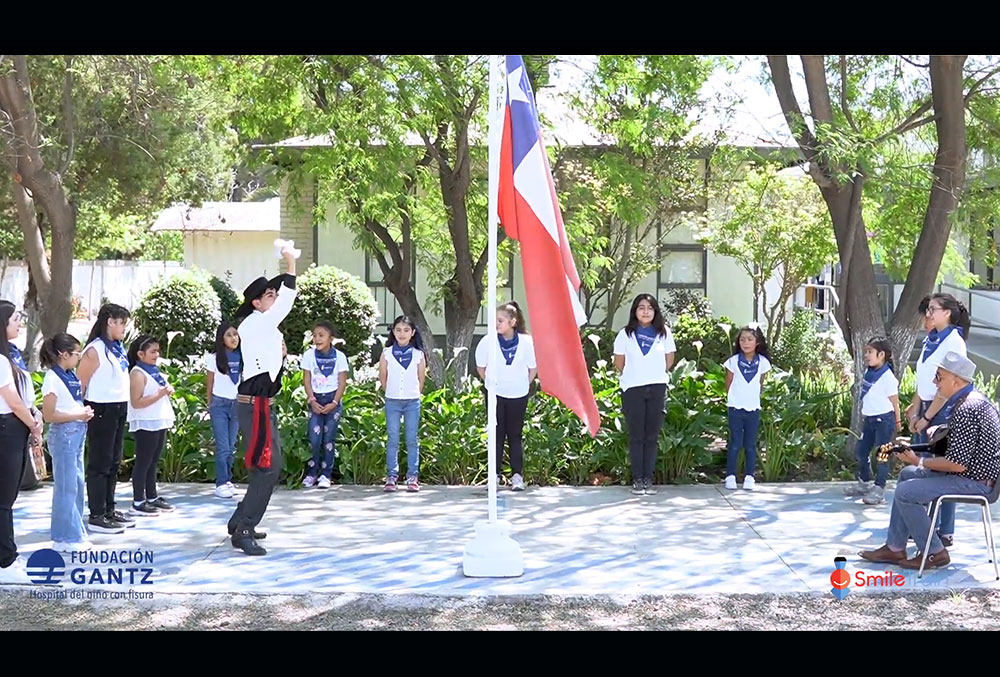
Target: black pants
(148, 448)
(510, 427)
(250, 511)
(644, 414)
(13, 439)
(105, 436)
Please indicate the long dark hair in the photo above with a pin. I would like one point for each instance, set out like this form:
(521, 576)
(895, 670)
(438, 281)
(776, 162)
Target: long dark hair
(761, 341)
(658, 323)
(7, 309)
(513, 312)
(221, 361)
(100, 329)
(957, 313)
(416, 341)
(62, 342)
(882, 345)
(140, 344)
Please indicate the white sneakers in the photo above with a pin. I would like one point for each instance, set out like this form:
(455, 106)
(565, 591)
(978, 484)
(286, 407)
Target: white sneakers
(324, 482)
(72, 547)
(224, 490)
(15, 574)
(309, 481)
(516, 483)
(748, 482)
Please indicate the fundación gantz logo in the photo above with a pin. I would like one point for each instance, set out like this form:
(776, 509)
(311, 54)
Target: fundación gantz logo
(841, 579)
(101, 568)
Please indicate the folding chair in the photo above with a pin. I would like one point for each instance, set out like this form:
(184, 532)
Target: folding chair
(984, 502)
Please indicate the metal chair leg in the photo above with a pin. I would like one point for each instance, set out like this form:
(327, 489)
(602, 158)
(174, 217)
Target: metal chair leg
(993, 548)
(930, 535)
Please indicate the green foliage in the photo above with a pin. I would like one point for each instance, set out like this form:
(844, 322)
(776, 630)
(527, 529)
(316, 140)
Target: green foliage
(804, 348)
(185, 302)
(679, 302)
(229, 300)
(704, 338)
(598, 344)
(328, 293)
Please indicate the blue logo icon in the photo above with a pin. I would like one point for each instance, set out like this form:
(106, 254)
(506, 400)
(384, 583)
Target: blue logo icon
(46, 567)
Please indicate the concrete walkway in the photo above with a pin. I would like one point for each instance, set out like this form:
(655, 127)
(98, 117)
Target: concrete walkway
(576, 541)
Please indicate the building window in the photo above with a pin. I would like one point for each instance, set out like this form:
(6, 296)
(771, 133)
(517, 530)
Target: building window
(384, 299)
(682, 266)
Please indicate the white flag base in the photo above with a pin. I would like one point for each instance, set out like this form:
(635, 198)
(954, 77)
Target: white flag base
(492, 553)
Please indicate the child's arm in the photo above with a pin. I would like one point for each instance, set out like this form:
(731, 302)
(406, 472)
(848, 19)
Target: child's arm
(422, 373)
(310, 396)
(50, 415)
(209, 384)
(619, 363)
(729, 379)
(670, 360)
(339, 397)
(383, 372)
(137, 382)
(895, 407)
(88, 365)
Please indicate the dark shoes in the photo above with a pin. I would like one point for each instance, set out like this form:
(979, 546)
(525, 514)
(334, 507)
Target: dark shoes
(245, 541)
(935, 560)
(884, 556)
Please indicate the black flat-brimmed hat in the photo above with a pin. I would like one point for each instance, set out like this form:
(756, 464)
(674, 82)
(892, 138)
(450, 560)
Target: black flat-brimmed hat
(254, 291)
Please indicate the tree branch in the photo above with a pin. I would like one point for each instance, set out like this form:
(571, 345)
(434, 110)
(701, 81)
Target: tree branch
(980, 81)
(843, 94)
(914, 63)
(782, 81)
(814, 68)
(905, 125)
(67, 116)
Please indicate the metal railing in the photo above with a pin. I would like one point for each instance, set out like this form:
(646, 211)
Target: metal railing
(983, 324)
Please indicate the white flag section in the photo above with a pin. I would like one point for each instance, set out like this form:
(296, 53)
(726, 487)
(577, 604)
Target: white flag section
(492, 552)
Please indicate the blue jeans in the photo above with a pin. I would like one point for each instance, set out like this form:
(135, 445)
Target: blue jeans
(946, 515)
(909, 516)
(743, 426)
(409, 411)
(225, 427)
(876, 431)
(323, 435)
(69, 489)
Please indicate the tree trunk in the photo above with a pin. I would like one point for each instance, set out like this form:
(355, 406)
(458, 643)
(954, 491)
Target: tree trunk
(406, 297)
(460, 325)
(614, 300)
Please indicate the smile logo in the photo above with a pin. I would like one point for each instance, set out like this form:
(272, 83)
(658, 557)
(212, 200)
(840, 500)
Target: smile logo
(840, 579)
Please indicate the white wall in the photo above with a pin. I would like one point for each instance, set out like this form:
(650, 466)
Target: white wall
(247, 255)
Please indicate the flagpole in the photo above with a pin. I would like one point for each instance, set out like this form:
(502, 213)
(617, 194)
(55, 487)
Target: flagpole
(497, 98)
(492, 552)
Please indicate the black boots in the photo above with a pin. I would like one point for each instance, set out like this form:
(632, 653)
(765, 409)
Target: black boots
(244, 540)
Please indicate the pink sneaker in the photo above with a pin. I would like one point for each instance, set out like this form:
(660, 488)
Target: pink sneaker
(412, 484)
(390, 484)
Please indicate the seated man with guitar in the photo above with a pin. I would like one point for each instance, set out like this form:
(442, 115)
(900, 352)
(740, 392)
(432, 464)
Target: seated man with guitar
(970, 465)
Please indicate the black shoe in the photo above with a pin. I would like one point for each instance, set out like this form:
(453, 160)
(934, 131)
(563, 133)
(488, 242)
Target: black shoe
(638, 488)
(144, 509)
(257, 535)
(947, 541)
(121, 519)
(161, 505)
(101, 524)
(648, 487)
(245, 542)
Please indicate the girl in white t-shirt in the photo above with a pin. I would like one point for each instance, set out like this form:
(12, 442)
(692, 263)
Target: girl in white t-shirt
(150, 416)
(224, 371)
(880, 409)
(401, 372)
(63, 409)
(745, 372)
(643, 354)
(325, 381)
(514, 376)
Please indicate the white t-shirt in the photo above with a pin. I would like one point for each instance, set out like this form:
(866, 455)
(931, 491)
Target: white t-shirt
(321, 383)
(109, 383)
(157, 416)
(926, 388)
(642, 370)
(222, 385)
(876, 401)
(6, 379)
(512, 379)
(402, 384)
(65, 403)
(743, 394)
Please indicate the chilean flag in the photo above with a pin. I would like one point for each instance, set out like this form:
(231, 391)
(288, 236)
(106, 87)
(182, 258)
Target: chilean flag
(529, 212)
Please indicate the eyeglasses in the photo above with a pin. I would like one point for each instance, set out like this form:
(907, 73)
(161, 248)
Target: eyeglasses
(932, 309)
(937, 376)
(21, 316)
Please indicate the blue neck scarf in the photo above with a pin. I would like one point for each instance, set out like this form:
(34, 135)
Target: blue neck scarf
(17, 358)
(935, 338)
(326, 362)
(949, 406)
(153, 371)
(235, 360)
(508, 348)
(748, 367)
(118, 351)
(872, 375)
(402, 354)
(71, 381)
(645, 336)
